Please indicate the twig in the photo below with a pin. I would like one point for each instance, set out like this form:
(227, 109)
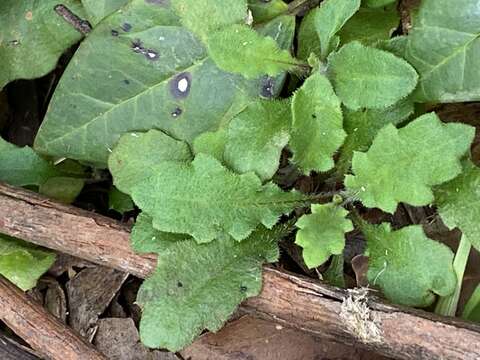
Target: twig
(41, 330)
(81, 25)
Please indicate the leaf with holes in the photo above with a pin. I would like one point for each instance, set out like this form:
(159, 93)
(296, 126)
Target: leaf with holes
(402, 164)
(409, 267)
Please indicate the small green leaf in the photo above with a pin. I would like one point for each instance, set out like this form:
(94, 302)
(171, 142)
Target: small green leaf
(23, 263)
(203, 17)
(33, 37)
(408, 267)
(211, 143)
(97, 10)
(317, 127)
(322, 233)
(402, 165)
(257, 136)
(137, 155)
(329, 19)
(119, 201)
(368, 77)
(370, 25)
(266, 10)
(22, 166)
(443, 46)
(198, 287)
(239, 49)
(205, 200)
(63, 189)
(378, 3)
(458, 203)
(308, 41)
(146, 239)
(363, 125)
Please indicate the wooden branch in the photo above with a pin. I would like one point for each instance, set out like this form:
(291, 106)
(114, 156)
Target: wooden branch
(10, 350)
(41, 330)
(289, 299)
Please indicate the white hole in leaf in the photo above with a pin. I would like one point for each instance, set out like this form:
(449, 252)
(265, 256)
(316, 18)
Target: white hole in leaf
(183, 85)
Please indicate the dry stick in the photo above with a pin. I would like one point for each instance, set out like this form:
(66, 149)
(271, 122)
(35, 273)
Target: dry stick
(286, 298)
(41, 330)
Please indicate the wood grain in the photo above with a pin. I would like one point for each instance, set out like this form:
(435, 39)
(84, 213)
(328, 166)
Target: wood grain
(41, 330)
(288, 299)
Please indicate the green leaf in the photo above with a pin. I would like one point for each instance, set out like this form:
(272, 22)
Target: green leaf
(377, 3)
(472, 307)
(322, 233)
(308, 41)
(33, 37)
(402, 165)
(22, 166)
(257, 136)
(61, 188)
(363, 125)
(146, 239)
(179, 91)
(443, 46)
(368, 77)
(458, 203)
(239, 49)
(266, 10)
(137, 156)
(317, 127)
(211, 143)
(203, 17)
(329, 19)
(119, 201)
(198, 287)
(97, 10)
(408, 267)
(205, 200)
(23, 263)
(370, 25)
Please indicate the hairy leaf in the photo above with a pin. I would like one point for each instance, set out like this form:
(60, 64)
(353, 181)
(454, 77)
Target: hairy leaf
(363, 125)
(408, 267)
(239, 49)
(119, 201)
(402, 165)
(22, 166)
(157, 75)
(257, 136)
(97, 10)
(146, 239)
(33, 37)
(266, 10)
(137, 155)
(317, 127)
(211, 143)
(61, 188)
(330, 18)
(444, 47)
(370, 25)
(205, 200)
(23, 263)
(198, 287)
(203, 17)
(368, 77)
(458, 203)
(322, 233)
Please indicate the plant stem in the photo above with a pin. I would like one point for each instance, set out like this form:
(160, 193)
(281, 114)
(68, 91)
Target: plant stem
(299, 7)
(447, 305)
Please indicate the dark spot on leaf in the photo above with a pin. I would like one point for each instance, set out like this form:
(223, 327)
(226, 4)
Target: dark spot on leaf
(268, 87)
(114, 32)
(126, 27)
(177, 112)
(314, 116)
(151, 54)
(179, 284)
(243, 288)
(180, 85)
(14, 42)
(138, 47)
(126, 81)
(158, 2)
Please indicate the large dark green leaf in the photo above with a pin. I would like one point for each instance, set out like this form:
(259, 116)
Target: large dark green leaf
(139, 69)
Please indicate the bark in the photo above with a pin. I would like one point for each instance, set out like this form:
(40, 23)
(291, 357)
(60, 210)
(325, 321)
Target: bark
(349, 317)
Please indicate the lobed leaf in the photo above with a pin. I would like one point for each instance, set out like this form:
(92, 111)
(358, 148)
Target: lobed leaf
(322, 233)
(23, 263)
(33, 37)
(408, 267)
(458, 203)
(317, 126)
(198, 287)
(330, 17)
(207, 201)
(403, 165)
(369, 77)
